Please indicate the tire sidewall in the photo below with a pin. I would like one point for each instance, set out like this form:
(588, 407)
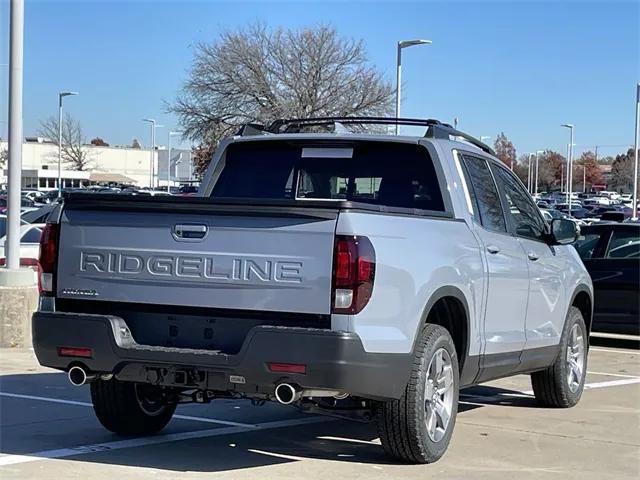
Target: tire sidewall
(442, 340)
(574, 316)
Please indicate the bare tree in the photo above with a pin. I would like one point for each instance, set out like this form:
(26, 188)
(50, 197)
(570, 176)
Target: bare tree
(73, 150)
(255, 74)
(135, 143)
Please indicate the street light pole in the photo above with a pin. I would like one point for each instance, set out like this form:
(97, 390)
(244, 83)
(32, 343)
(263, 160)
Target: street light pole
(61, 95)
(570, 167)
(169, 161)
(634, 214)
(152, 166)
(403, 44)
(537, 153)
(14, 167)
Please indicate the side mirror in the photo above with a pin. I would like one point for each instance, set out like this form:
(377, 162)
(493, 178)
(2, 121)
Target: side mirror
(563, 231)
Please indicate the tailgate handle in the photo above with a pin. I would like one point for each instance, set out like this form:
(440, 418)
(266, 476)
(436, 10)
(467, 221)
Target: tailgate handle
(190, 232)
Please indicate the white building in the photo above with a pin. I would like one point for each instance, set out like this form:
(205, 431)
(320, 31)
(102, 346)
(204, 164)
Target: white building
(106, 164)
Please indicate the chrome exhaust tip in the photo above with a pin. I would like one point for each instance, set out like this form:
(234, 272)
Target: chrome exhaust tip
(287, 394)
(78, 376)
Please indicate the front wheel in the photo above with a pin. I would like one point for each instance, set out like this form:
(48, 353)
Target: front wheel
(561, 384)
(417, 428)
(131, 409)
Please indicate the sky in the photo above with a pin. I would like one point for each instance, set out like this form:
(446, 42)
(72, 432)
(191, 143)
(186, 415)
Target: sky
(522, 68)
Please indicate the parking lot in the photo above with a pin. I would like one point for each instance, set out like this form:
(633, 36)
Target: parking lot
(48, 430)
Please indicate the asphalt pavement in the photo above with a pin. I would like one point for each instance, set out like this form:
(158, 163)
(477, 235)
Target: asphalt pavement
(48, 431)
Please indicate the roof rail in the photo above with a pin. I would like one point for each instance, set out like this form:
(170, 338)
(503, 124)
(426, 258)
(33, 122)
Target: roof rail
(445, 131)
(249, 129)
(435, 128)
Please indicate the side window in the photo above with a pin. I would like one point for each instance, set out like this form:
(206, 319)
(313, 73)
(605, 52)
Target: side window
(587, 243)
(483, 193)
(624, 244)
(523, 212)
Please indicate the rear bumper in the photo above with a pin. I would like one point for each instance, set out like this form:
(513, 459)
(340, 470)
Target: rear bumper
(334, 360)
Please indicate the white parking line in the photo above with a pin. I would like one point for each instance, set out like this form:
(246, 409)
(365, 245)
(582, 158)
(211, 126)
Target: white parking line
(154, 440)
(470, 398)
(86, 404)
(45, 399)
(612, 383)
(613, 374)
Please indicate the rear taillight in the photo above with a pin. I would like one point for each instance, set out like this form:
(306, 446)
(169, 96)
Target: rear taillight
(354, 269)
(48, 258)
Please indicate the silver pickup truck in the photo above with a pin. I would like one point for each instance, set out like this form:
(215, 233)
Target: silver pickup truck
(360, 275)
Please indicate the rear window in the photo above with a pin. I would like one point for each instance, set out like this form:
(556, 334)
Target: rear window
(395, 175)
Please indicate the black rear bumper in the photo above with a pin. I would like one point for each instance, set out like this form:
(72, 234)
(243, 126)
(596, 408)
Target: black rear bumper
(334, 360)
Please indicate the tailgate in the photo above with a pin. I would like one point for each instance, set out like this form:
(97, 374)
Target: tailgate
(248, 261)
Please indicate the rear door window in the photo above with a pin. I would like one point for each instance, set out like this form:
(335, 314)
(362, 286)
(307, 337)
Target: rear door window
(524, 214)
(484, 194)
(624, 243)
(395, 175)
(587, 243)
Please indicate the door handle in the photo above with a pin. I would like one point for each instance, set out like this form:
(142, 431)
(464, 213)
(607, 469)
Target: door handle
(492, 249)
(532, 256)
(189, 232)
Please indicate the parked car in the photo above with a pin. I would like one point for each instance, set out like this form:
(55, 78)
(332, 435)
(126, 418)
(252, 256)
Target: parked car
(577, 211)
(188, 190)
(25, 204)
(34, 195)
(29, 243)
(611, 253)
(365, 276)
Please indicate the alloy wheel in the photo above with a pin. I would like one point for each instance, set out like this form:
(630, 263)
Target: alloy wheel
(439, 394)
(575, 358)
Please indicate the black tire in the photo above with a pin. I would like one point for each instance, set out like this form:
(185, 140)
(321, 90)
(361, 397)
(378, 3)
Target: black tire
(551, 386)
(130, 409)
(402, 424)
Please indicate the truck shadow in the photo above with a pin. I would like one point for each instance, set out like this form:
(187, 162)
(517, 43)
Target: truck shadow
(33, 427)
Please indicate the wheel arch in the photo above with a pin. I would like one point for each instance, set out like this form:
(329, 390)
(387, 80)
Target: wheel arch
(582, 299)
(444, 307)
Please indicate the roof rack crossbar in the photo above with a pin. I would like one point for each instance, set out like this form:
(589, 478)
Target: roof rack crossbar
(435, 128)
(293, 124)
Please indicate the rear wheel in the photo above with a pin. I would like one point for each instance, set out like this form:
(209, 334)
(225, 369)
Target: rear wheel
(562, 383)
(130, 408)
(417, 428)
